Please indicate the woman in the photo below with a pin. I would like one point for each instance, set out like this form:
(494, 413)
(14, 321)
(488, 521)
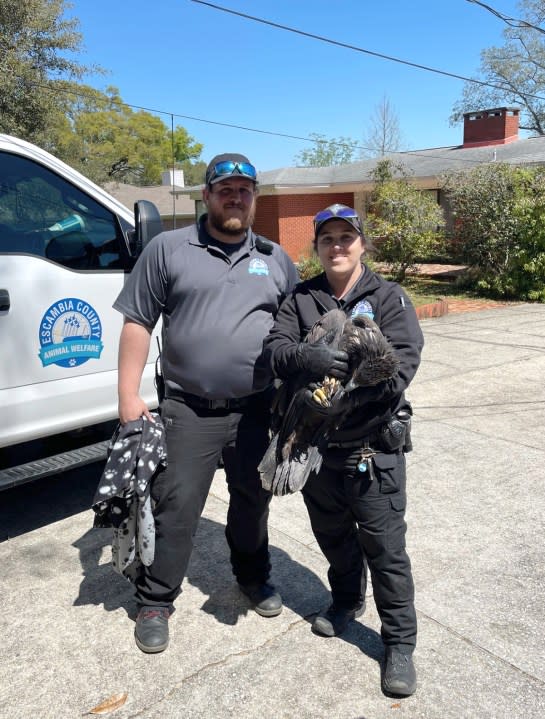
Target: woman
(357, 509)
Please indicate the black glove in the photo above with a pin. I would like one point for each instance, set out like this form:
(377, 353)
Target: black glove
(321, 360)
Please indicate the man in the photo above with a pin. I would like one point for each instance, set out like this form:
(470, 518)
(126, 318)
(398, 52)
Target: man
(217, 287)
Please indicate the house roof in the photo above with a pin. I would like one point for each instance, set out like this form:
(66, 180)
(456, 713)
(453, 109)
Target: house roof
(425, 167)
(168, 200)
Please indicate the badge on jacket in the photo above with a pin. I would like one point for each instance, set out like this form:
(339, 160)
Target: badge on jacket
(363, 307)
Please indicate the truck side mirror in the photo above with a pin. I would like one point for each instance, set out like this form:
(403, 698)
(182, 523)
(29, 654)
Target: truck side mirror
(147, 224)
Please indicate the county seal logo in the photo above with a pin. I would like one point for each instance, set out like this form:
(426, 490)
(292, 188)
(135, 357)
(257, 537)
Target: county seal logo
(258, 267)
(70, 333)
(363, 308)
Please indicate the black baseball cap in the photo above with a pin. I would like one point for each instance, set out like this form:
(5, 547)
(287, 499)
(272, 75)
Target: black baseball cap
(229, 164)
(337, 212)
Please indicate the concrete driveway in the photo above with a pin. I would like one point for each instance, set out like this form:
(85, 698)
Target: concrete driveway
(476, 539)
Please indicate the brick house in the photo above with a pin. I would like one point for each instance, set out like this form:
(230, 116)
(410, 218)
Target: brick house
(289, 197)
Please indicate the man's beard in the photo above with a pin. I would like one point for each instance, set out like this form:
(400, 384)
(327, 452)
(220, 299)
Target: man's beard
(233, 226)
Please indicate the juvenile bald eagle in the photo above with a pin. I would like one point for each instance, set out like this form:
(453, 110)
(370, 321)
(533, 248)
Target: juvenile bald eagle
(294, 451)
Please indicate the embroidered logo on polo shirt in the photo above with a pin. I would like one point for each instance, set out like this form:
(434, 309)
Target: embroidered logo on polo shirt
(363, 308)
(258, 266)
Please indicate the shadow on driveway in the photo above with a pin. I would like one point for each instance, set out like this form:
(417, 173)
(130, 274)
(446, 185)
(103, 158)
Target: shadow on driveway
(36, 504)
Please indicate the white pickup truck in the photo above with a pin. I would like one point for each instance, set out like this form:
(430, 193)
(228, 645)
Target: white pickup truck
(66, 247)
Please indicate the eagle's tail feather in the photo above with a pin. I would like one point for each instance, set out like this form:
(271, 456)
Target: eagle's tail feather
(267, 466)
(290, 474)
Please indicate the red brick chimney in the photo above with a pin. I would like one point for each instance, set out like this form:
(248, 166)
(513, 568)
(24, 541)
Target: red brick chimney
(491, 127)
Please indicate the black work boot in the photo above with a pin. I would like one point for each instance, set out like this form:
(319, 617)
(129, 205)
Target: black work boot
(151, 631)
(266, 600)
(399, 677)
(335, 620)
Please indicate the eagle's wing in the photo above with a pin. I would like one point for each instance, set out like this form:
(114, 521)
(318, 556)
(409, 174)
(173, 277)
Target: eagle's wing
(327, 329)
(293, 452)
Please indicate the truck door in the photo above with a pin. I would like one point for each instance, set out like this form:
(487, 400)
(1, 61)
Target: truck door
(63, 258)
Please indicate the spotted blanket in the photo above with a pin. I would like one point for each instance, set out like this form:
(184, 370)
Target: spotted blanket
(137, 451)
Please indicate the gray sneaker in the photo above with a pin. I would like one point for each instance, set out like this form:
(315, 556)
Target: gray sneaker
(399, 677)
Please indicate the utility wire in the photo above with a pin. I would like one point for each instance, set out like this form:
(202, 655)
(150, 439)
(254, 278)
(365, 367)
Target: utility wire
(511, 21)
(122, 103)
(503, 88)
(331, 42)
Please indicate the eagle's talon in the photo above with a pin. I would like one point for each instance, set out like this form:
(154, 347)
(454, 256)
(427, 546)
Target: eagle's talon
(320, 397)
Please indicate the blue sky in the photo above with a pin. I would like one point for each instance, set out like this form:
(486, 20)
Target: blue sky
(182, 57)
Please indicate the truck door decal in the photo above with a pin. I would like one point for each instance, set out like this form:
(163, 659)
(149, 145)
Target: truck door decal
(70, 333)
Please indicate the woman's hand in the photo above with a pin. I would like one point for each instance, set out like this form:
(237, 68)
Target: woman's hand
(321, 360)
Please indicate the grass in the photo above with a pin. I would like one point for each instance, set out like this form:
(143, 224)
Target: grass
(421, 289)
(424, 290)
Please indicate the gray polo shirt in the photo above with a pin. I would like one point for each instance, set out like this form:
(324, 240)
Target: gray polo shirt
(216, 309)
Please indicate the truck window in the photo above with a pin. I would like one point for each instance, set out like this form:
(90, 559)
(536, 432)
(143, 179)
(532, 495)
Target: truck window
(43, 214)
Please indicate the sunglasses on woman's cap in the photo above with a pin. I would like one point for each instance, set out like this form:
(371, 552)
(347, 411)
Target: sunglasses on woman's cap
(338, 212)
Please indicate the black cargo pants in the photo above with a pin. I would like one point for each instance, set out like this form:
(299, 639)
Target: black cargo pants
(196, 439)
(356, 518)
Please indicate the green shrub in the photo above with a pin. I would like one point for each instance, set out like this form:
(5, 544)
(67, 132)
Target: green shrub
(499, 223)
(404, 223)
(309, 266)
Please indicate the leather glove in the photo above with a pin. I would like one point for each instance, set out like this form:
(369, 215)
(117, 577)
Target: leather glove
(321, 360)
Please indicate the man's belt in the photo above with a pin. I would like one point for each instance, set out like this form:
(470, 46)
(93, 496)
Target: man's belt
(196, 402)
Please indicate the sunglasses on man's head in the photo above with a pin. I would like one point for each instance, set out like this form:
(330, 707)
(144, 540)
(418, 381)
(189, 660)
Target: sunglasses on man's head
(228, 167)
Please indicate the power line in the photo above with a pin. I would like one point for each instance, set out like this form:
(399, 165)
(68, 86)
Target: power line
(312, 140)
(328, 40)
(511, 21)
(122, 103)
(322, 39)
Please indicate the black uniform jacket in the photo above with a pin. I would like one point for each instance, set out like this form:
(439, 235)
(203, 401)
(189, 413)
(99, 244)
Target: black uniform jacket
(395, 315)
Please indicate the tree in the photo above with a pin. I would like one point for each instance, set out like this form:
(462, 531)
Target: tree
(404, 222)
(335, 151)
(384, 135)
(106, 140)
(42, 100)
(518, 68)
(499, 224)
(194, 172)
(36, 42)
(185, 147)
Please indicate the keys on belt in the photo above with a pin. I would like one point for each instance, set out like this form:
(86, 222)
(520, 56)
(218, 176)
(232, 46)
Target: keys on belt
(365, 463)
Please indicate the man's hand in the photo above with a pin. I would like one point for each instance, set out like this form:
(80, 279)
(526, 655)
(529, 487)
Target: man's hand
(321, 360)
(131, 408)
